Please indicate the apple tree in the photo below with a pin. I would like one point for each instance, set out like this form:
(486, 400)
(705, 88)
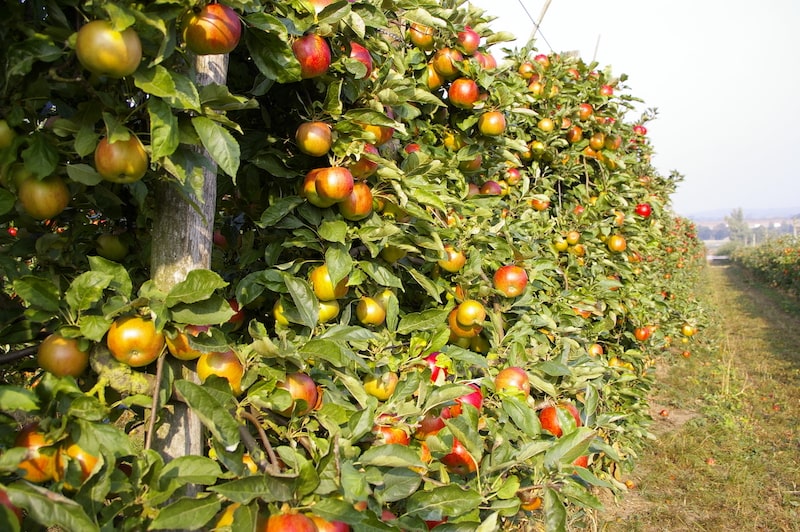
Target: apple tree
(274, 265)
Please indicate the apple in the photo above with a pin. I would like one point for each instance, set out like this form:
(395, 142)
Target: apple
(471, 165)
(616, 243)
(333, 183)
(6, 501)
(453, 259)
(640, 130)
(323, 286)
(314, 138)
(445, 62)
(111, 247)
(381, 386)
(385, 435)
(458, 330)
(543, 60)
(370, 312)
(546, 124)
(526, 70)
(485, 60)
(328, 310)
(606, 90)
(105, 51)
(361, 54)
(179, 346)
(43, 198)
(122, 161)
(491, 188)
(642, 333)
(513, 176)
(438, 373)
(224, 364)
(554, 418)
(304, 393)
(574, 134)
(474, 398)
(597, 141)
(39, 463)
(470, 313)
(463, 93)
(539, 204)
(314, 55)
(511, 280)
(363, 167)
(213, 29)
(585, 111)
(458, 461)
(7, 135)
(595, 350)
(290, 522)
(512, 379)
(421, 36)
(308, 190)
(469, 40)
(492, 123)
(644, 210)
(357, 205)
(412, 147)
(323, 525)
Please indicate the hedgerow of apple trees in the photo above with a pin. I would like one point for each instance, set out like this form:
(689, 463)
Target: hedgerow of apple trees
(776, 261)
(476, 353)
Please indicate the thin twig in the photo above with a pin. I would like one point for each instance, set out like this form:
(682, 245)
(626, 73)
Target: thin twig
(252, 418)
(151, 424)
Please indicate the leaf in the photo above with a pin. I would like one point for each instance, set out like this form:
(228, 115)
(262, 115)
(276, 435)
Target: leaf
(569, 447)
(164, 130)
(219, 143)
(176, 89)
(49, 508)
(444, 501)
(186, 514)
(18, 398)
(380, 274)
(87, 289)
(333, 231)
(40, 157)
(304, 299)
(555, 513)
(84, 174)
(189, 470)
(212, 311)
(121, 282)
(278, 210)
(264, 487)
(523, 415)
(422, 321)
(38, 292)
(399, 484)
(211, 413)
(268, 43)
(391, 455)
(199, 285)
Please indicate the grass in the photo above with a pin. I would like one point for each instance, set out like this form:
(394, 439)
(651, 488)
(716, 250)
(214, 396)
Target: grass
(727, 454)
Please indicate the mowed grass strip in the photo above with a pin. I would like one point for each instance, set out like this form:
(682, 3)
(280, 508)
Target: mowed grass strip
(727, 456)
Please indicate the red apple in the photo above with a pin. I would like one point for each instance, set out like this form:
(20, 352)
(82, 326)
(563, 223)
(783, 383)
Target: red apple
(363, 167)
(463, 93)
(314, 55)
(513, 379)
(361, 54)
(555, 420)
(214, 29)
(334, 183)
(302, 388)
(458, 461)
(358, 204)
(469, 40)
(644, 210)
(511, 280)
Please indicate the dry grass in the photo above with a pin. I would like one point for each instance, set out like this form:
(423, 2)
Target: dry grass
(727, 456)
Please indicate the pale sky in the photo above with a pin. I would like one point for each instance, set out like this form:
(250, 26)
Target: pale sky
(723, 74)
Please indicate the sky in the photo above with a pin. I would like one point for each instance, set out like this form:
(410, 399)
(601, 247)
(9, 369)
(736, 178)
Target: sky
(724, 76)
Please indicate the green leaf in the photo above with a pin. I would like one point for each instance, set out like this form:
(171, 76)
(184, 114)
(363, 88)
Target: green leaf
(422, 321)
(278, 210)
(268, 44)
(391, 455)
(189, 470)
(211, 413)
(380, 274)
(164, 131)
(523, 415)
(7, 201)
(212, 311)
(176, 89)
(187, 514)
(38, 292)
(199, 285)
(264, 487)
(555, 513)
(333, 231)
(444, 501)
(18, 398)
(41, 156)
(87, 289)
(569, 447)
(84, 174)
(121, 279)
(49, 508)
(219, 143)
(304, 299)
(399, 484)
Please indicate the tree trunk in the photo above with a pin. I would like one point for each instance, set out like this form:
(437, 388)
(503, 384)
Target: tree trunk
(182, 242)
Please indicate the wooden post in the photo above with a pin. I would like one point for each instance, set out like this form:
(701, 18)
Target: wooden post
(182, 242)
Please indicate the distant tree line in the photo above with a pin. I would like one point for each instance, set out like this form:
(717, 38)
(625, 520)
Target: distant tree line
(736, 228)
